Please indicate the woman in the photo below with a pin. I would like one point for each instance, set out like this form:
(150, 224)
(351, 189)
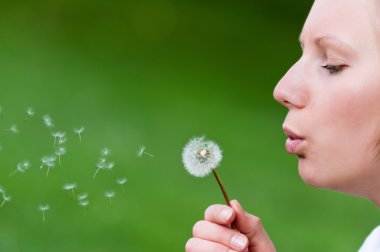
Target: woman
(333, 123)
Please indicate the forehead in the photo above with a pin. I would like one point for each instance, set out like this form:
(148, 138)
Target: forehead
(350, 20)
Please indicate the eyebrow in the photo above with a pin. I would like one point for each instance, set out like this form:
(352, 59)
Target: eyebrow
(331, 41)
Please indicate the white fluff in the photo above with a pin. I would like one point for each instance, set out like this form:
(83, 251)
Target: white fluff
(200, 156)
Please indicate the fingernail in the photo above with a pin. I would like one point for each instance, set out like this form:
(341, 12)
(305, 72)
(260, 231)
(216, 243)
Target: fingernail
(226, 214)
(239, 241)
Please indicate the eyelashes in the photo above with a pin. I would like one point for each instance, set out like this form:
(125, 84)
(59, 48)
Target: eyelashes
(334, 69)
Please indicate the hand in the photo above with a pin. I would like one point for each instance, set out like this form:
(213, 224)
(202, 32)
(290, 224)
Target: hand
(214, 232)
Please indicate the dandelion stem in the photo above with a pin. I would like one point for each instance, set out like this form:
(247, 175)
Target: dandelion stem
(233, 225)
(43, 216)
(47, 172)
(2, 204)
(150, 155)
(73, 192)
(110, 201)
(12, 173)
(80, 137)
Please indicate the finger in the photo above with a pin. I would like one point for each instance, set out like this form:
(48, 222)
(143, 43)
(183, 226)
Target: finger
(252, 227)
(220, 234)
(199, 245)
(220, 214)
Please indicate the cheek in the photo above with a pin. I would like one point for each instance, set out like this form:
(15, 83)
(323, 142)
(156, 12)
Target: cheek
(345, 125)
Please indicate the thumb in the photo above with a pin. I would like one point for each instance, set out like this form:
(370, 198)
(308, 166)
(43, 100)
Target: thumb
(252, 227)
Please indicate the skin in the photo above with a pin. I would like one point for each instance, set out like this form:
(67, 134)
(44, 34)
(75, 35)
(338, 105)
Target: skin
(333, 98)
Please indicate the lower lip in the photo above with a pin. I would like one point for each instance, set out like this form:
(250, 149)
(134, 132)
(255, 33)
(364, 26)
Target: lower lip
(293, 145)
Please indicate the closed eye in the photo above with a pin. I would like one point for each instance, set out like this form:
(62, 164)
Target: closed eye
(334, 69)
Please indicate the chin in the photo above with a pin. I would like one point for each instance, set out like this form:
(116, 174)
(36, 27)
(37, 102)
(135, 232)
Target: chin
(310, 174)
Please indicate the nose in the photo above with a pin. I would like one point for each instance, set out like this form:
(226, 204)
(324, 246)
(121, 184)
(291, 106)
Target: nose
(291, 90)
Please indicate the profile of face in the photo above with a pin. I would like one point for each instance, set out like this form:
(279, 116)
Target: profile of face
(333, 98)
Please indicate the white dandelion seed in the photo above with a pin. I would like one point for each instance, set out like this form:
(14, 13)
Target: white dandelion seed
(71, 188)
(101, 165)
(48, 121)
(82, 196)
(79, 131)
(142, 151)
(105, 152)
(49, 162)
(84, 203)
(110, 166)
(13, 128)
(121, 182)
(6, 198)
(30, 112)
(21, 167)
(60, 152)
(200, 157)
(109, 195)
(43, 209)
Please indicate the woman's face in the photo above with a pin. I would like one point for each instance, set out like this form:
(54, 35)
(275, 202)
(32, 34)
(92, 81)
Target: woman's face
(333, 96)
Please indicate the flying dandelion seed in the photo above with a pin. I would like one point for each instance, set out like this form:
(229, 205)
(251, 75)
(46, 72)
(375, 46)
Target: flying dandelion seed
(43, 209)
(201, 157)
(21, 168)
(142, 151)
(48, 162)
(59, 152)
(110, 166)
(109, 195)
(13, 129)
(121, 182)
(71, 188)
(82, 196)
(48, 121)
(101, 165)
(79, 131)
(105, 152)
(30, 112)
(84, 204)
(6, 198)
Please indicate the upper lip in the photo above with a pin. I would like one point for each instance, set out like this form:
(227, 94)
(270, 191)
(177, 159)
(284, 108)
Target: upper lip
(291, 134)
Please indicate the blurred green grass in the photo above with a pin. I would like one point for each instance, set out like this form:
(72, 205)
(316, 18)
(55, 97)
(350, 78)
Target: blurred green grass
(156, 73)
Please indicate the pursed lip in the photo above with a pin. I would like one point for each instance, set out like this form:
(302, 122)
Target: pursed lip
(293, 143)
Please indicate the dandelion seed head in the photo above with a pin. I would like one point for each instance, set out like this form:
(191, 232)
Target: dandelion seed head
(60, 151)
(48, 121)
(6, 198)
(69, 186)
(84, 203)
(110, 165)
(121, 181)
(110, 194)
(30, 112)
(23, 166)
(79, 130)
(141, 150)
(105, 152)
(48, 161)
(43, 208)
(200, 156)
(14, 128)
(82, 196)
(102, 164)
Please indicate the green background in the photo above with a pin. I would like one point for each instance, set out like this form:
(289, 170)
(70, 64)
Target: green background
(156, 73)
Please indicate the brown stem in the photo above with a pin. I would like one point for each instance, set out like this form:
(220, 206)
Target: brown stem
(233, 225)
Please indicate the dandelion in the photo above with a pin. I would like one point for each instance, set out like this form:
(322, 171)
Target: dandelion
(82, 196)
(13, 129)
(200, 157)
(109, 166)
(79, 131)
(84, 204)
(101, 165)
(109, 195)
(70, 187)
(121, 182)
(48, 121)
(105, 152)
(6, 198)
(43, 209)
(49, 162)
(59, 137)
(141, 151)
(30, 112)
(21, 168)
(59, 152)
